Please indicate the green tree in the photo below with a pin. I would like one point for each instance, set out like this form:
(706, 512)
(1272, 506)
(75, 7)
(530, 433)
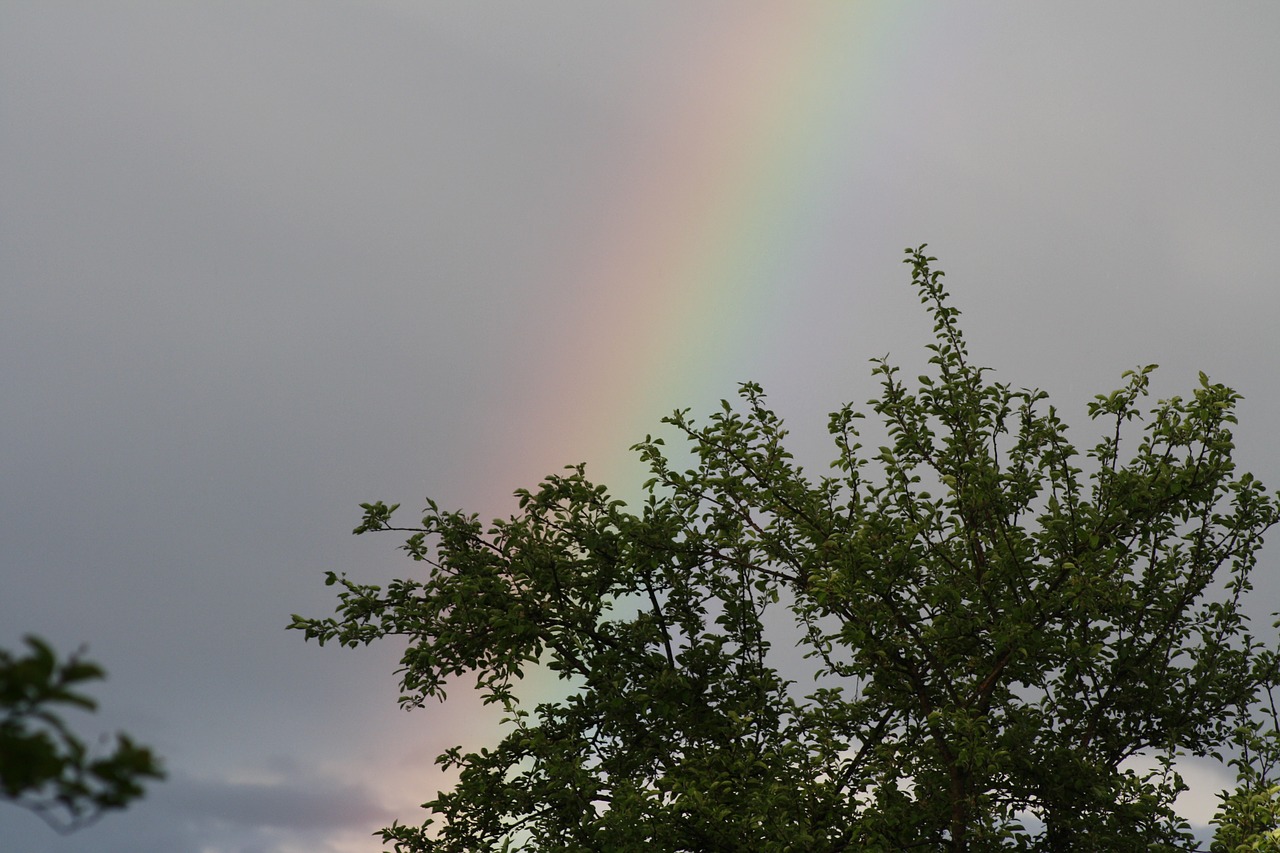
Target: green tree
(44, 766)
(999, 626)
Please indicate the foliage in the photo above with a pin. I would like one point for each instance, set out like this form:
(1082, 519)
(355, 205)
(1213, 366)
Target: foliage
(999, 628)
(1248, 818)
(43, 765)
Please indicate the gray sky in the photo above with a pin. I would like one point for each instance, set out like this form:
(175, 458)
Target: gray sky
(264, 261)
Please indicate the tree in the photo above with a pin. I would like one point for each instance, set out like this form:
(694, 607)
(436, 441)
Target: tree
(999, 628)
(44, 766)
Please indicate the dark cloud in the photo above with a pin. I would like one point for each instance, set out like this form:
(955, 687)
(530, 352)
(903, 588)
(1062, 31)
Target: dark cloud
(301, 803)
(185, 815)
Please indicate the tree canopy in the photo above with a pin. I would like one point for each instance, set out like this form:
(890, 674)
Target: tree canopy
(44, 765)
(1011, 642)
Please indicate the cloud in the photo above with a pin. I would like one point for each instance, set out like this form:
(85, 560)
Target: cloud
(294, 810)
(291, 797)
(294, 803)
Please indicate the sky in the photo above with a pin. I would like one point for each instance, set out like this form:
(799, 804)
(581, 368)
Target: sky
(263, 262)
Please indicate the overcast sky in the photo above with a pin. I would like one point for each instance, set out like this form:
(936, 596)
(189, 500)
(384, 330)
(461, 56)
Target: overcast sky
(263, 261)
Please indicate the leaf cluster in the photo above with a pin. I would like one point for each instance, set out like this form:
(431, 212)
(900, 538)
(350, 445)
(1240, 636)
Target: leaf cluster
(44, 765)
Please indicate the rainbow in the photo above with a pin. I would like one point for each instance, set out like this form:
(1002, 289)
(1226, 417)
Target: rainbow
(714, 216)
